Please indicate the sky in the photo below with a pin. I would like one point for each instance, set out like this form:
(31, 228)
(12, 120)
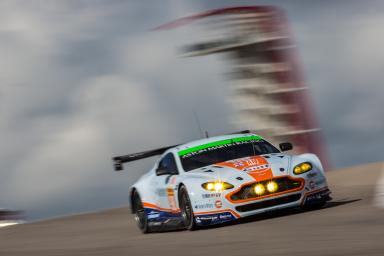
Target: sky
(82, 81)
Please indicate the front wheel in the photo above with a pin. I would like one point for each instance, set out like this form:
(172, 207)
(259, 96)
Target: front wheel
(140, 215)
(186, 209)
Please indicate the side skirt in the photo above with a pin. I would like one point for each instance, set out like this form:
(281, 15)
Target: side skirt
(205, 219)
(159, 220)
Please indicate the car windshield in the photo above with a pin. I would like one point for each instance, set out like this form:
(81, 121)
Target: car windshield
(221, 151)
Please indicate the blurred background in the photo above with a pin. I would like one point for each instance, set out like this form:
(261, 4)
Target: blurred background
(82, 81)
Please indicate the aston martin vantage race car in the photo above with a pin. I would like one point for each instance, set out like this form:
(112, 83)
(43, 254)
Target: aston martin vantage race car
(220, 179)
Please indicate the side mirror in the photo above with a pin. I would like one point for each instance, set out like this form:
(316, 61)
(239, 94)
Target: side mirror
(285, 146)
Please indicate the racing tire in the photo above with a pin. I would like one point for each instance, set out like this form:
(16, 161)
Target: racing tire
(186, 209)
(140, 215)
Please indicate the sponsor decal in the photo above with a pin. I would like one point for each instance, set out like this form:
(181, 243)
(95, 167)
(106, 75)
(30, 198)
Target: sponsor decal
(255, 168)
(225, 216)
(202, 206)
(312, 184)
(211, 195)
(153, 215)
(311, 174)
(214, 218)
(252, 162)
(315, 197)
(218, 204)
(208, 217)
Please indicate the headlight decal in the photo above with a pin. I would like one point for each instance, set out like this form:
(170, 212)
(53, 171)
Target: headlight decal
(302, 168)
(217, 186)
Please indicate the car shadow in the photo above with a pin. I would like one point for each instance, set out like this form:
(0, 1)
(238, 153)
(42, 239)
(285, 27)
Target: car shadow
(279, 214)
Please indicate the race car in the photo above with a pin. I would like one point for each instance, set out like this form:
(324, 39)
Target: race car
(221, 179)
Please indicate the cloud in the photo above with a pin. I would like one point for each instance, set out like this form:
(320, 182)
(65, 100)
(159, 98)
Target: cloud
(78, 92)
(77, 156)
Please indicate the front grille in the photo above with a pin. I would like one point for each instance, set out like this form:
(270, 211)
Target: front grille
(285, 184)
(268, 203)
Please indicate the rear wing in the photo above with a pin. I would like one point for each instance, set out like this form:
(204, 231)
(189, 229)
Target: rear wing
(118, 161)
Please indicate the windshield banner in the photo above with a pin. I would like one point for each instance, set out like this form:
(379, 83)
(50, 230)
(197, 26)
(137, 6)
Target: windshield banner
(218, 144)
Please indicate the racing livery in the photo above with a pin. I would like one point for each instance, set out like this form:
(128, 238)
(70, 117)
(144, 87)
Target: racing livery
(220, 179)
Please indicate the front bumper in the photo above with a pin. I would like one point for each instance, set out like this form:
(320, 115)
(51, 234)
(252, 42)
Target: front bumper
(237, 211)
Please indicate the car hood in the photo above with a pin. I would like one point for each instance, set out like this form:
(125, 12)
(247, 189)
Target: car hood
(247, 169)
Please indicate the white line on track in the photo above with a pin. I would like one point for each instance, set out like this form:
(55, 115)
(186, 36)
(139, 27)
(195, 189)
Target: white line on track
(379, 193)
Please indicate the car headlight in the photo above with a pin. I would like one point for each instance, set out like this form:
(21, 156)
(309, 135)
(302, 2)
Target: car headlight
(302, 168)
(259, 189)
(272, 186)
(217, 186)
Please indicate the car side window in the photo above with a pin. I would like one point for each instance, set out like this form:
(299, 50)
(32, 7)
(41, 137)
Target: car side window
(168, 162)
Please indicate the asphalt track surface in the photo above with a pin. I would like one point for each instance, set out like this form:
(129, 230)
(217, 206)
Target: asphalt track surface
(348, 225)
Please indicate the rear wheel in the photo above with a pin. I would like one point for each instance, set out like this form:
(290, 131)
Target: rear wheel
(186, 209)
(140, 215)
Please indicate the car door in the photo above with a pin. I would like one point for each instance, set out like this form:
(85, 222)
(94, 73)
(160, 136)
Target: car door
(166, 176)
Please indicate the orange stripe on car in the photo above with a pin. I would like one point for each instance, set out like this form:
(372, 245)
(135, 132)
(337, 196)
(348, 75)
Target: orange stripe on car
(255, 166)
(156, 207)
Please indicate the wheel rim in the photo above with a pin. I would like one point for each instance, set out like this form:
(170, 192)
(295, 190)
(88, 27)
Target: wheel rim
(139, 214)
(186, 210)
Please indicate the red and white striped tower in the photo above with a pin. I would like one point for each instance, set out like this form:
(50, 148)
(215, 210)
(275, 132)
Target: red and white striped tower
(268, 90)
